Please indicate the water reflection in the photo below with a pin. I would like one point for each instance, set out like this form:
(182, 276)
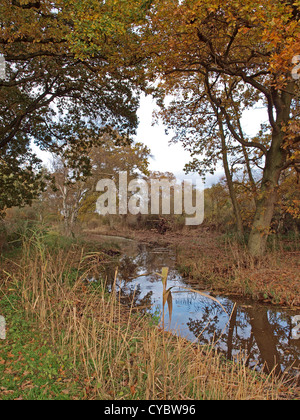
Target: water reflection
(264, 333)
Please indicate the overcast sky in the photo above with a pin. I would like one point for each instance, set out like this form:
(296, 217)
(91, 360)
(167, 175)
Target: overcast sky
(172, 158)
(166, 157)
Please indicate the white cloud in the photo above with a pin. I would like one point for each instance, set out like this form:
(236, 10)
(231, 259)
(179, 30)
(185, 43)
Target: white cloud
(166, 157)
(172, 158)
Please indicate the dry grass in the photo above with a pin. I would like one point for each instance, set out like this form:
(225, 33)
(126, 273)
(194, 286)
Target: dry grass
(116, 353)
(226, 266)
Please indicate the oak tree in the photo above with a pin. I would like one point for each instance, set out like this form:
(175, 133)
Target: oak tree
(70, 76)
(234, 55)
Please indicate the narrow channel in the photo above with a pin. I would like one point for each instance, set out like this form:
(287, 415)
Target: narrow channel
(263, 334)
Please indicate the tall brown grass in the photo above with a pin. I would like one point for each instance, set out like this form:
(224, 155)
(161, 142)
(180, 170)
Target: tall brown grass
(227, 266)
(117, 353)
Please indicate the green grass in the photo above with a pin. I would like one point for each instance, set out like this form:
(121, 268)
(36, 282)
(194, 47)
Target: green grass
(55, 241)
(30, 368)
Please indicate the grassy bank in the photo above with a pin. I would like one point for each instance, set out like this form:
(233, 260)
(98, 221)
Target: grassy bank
(71, 339)
(221, 264)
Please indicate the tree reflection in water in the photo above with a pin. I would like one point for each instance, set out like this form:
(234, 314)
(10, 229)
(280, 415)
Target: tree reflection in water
(262, 332)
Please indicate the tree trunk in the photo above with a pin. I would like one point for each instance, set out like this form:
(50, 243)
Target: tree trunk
(267, 197)
(234, 201)
(275, 159)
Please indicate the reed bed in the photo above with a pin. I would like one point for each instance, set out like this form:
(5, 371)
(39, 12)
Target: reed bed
(116, 352)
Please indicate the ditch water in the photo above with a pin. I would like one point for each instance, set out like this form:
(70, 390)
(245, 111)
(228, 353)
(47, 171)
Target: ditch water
(262, 333)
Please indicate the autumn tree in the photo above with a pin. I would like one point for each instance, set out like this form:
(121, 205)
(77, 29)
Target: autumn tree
(287, 215)
(198, 123)
(218, 208)
(68, 193)
(74, 194)
(235, 55)
(70, 76)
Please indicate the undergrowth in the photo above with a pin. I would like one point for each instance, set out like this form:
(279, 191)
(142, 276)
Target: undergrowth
(69, 339)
